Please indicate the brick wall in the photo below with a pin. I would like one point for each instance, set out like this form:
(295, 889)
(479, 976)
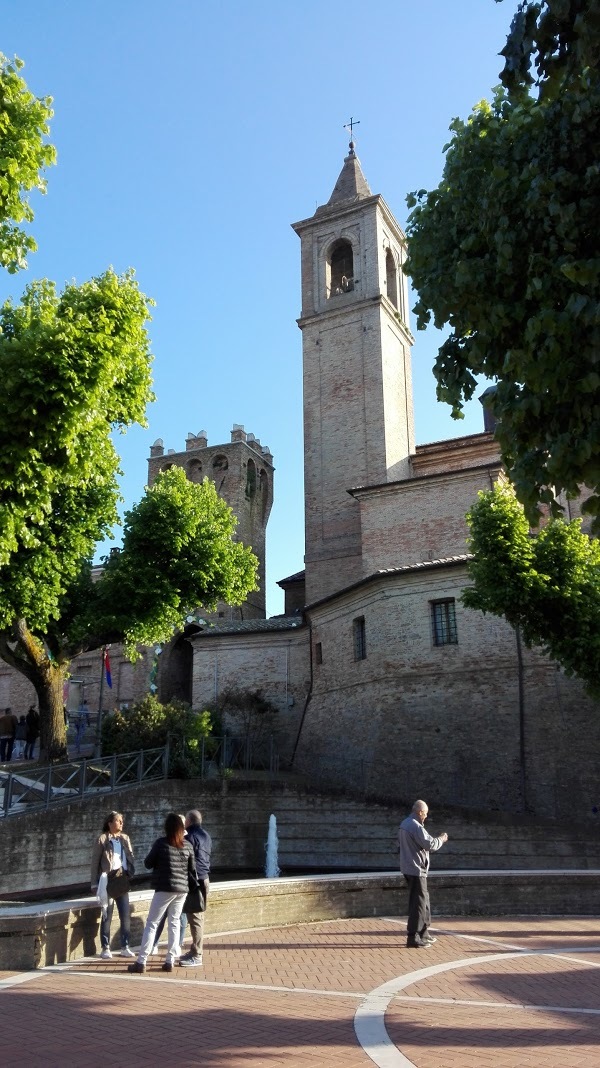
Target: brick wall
(419, 519)
(276, 662)
(443, 721)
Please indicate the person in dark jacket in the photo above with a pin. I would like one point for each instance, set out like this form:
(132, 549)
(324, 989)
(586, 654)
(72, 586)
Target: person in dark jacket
(202, 846)
(32, 722)
(173, 875)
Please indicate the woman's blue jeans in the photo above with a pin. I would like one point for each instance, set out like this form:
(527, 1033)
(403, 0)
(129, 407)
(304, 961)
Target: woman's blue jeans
(123, 910)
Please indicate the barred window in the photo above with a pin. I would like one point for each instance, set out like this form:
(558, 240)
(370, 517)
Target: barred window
(443, 615)
(360, 638)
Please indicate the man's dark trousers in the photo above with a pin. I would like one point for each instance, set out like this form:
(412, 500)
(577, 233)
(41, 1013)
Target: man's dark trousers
(419, 912)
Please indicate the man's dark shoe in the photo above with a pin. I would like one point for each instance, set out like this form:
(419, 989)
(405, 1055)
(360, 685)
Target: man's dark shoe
(167, 966)
(136, 968)
(414, 943)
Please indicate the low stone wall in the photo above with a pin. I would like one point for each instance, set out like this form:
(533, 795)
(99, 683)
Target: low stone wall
(317, 833)
(38, 936)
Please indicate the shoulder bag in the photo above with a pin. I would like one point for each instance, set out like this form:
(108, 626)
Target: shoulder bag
(118, 883)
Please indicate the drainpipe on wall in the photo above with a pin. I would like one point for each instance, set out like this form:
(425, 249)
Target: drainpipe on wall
(309, 694)
(521, 685)
(216, 677)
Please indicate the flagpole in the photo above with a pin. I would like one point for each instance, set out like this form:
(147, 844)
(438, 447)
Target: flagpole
(98, 749)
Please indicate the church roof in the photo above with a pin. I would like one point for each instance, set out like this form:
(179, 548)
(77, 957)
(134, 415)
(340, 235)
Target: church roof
(351, 184)
(403, 569)
(297, 577)
(250, 626)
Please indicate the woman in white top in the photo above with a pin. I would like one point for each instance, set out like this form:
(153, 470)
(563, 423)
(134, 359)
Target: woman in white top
(111, 852)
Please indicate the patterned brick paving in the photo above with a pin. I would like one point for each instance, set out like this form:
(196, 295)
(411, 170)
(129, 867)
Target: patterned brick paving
(288, 996)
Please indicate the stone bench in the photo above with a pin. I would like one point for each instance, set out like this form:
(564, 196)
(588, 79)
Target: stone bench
(37, 935)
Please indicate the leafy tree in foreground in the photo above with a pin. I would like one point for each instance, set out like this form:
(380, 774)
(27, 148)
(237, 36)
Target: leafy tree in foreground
(505, 253)
(547, 585)
(23, 155)
(75, 366)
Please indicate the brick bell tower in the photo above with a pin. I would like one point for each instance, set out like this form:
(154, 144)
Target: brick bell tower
(358, 408)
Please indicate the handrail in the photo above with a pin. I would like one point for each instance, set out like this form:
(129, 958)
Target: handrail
(39, 788)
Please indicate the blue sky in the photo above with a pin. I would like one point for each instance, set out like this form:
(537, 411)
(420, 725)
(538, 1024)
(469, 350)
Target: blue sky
(189, 137)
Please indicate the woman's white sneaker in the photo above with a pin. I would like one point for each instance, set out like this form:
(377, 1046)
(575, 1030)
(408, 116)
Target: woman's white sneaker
(106, 954)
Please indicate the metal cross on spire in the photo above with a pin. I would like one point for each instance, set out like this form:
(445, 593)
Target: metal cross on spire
(350, 126)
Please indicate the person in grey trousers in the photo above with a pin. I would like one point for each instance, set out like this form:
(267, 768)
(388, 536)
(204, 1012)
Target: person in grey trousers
(415, 846)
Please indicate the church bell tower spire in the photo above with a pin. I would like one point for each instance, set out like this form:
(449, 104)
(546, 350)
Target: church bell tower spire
(358, 413)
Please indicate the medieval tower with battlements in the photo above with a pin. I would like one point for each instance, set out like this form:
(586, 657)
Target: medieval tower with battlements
(242, 471)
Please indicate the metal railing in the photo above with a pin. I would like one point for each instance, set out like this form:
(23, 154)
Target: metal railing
(233, 754)
(39, 788)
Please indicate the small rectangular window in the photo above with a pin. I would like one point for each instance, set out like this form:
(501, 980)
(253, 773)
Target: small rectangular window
(443, 614)
(360, 638)
(319, 652)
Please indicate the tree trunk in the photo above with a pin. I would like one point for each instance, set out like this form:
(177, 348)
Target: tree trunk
(28, 655)
(53, 734)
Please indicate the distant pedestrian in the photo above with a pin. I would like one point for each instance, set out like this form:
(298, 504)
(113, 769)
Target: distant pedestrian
(81, 724)
(112, 861)
(173, 876)
(20, 738)
(8, 727)
(32, 721)
(415, 846)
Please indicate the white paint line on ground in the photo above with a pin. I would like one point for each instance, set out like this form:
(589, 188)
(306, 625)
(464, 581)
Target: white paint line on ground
(558, 951)
(494, 1004)
(369, 1019)
(353, 994)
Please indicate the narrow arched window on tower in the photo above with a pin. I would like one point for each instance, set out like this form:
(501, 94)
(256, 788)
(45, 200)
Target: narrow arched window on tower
(391, 277)
(250, 479)
(340, 269)
(220, 466)
(194, 471)
(264, 491)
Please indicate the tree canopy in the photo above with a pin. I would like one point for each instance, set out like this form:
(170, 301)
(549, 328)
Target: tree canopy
(75, 367)
(547, 585)
(24, 153)
(504, 253)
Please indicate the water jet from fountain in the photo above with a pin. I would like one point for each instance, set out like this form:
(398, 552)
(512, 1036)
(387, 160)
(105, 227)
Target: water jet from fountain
(272, 869)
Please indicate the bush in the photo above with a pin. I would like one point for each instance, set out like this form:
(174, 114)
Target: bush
(247, 714)
(148, 724)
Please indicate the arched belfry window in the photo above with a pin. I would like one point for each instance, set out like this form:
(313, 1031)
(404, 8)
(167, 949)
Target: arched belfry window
(340, 269)
(391, 277)
(194, 471)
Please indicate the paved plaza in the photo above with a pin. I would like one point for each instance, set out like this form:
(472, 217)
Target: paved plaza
(340, 994)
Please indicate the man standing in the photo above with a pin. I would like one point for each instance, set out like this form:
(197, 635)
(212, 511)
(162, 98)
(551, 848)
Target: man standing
(202, 845)
(8, 727)
(415, 846)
